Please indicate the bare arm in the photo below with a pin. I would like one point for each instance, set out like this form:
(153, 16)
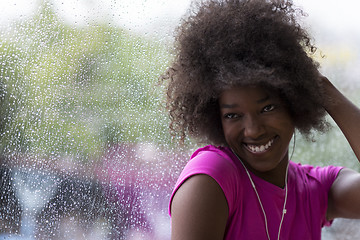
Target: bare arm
(345, 114)
(199, 210)
(344, 196)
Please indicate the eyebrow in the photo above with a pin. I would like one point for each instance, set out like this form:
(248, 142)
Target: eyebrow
(262, 100)
(228, 105)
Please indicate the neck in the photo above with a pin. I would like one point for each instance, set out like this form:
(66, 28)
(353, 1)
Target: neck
(275, 176)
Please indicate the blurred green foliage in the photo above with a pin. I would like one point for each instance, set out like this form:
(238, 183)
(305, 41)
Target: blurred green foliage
(74, 91)
(71, 91)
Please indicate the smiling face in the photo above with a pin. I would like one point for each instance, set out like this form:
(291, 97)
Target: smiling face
(257, 126)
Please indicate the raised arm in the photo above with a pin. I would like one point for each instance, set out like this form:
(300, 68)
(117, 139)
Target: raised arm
(344, 196)
(345, 114)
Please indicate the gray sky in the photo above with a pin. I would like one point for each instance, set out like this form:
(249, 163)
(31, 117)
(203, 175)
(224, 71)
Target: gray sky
(147, 15)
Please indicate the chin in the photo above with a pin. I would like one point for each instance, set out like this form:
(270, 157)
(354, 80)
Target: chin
(262, 166)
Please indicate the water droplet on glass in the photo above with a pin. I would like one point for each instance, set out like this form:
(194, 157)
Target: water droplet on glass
(85, 147)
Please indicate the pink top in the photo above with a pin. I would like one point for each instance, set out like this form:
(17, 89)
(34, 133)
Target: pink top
(306, 206)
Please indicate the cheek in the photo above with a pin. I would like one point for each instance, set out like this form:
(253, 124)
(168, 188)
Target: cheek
(287, 126)
(225, 129)
(230, 131)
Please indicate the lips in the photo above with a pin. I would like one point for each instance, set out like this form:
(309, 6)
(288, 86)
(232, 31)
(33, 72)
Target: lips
(259, 148)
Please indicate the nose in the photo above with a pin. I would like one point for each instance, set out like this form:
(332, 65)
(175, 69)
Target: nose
(253, 127)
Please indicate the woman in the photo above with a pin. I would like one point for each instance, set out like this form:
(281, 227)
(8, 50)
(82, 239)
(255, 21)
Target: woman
(243, 81)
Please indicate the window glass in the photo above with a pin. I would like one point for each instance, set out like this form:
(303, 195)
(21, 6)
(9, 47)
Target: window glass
(85, 147)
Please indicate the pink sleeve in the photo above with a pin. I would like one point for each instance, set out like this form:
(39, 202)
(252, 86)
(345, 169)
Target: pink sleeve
(326, 175)
(212, 164)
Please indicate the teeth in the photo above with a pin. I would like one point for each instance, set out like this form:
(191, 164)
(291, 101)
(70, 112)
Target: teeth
(261, 148)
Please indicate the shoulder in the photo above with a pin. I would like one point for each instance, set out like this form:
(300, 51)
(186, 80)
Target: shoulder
(217, 164)
(212, 159)
(322, 175)
(315, 181)
(312, 185)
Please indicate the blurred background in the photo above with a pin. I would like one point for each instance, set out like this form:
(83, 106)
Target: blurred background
(85, 150)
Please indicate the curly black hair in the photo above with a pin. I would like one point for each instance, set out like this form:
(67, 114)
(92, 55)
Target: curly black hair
(227, 43)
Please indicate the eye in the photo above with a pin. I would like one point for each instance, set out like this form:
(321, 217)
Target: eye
(231, 115)
(268, 108)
